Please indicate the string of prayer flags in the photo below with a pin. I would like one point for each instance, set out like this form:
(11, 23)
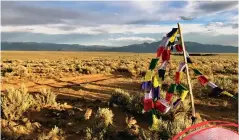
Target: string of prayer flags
(148, 101)
(160, 51)
(162, 105)
(202, 79)
(153, 63)
(148, 75)
(216, 91)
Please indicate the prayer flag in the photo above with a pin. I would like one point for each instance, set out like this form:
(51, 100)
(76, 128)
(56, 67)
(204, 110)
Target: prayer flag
(146, 85)
(153, 63)
(148, 104)
(161, 73)
(169, 97)
(156, 81)
(176, 103)
(166, 55)
(216, 91)
(164, 41)
(156, 93)
(171, 33)
(202, 79)
(184, 95)
(172, 88)
(148, 75)
(162, 106)
(160, 51)
(177, 77)
(180, 88)
(227, 93)
(211, 84)
(197, 72)
(179, 48)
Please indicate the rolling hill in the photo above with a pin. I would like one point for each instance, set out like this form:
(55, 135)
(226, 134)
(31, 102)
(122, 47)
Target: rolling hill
(192, 47)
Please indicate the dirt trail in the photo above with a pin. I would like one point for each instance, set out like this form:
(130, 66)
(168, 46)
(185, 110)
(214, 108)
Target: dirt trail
(99, 87)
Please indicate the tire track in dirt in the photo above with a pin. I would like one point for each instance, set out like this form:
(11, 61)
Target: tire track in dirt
(99, 87)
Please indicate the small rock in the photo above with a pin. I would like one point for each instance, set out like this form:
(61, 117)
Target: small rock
(115, 105)
(69, 123)
(88, 113)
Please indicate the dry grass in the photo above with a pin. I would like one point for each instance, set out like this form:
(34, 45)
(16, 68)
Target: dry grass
(33, 66)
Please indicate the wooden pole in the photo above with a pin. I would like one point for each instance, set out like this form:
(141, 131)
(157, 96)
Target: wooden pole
(187, 72)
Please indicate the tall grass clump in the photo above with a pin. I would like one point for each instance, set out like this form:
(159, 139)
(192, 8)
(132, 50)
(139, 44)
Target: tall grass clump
(101, 127)
(46, 97)
(15, 102)
(132, 103)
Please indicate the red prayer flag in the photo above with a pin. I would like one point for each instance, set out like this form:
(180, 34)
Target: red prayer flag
(169, 97)
(177, 78)
(160, 106)
(160, 51)
(202, 79)
(179, 48)
(166, 55)
(148, 104)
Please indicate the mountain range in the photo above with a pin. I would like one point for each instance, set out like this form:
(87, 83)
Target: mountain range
(191, 47)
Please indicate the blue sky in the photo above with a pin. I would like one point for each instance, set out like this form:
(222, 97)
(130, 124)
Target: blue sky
(118, 23)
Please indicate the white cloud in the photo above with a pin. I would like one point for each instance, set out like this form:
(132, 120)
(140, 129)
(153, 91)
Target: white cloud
(133, 38)
(214, 28)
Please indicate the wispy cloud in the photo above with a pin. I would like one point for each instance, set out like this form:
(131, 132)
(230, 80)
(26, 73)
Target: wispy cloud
(139, 19)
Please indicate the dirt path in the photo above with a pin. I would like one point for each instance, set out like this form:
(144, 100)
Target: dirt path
(99, 87)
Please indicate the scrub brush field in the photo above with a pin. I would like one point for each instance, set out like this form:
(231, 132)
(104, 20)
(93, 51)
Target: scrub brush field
(97, 95)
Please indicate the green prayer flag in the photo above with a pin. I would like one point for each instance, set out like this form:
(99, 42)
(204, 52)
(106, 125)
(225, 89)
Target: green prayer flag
(197, 72)
(172, 88)
(153, 63)
(180, 88)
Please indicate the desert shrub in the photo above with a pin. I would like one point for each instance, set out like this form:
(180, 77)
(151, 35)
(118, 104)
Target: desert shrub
(120, 97)
(15, 102)
(54, 134)
(16, 130)
(21, 71)
(104, 117)
(46, 97)
(101, 126)
(132, 103)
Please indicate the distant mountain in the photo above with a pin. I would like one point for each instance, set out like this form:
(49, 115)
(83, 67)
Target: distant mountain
(33, 46)
(191, 47)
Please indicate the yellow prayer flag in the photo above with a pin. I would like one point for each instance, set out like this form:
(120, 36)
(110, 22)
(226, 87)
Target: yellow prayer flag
(172, 38)
(184, 95)
(227, 93)
(156, 81)
(148, 75)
